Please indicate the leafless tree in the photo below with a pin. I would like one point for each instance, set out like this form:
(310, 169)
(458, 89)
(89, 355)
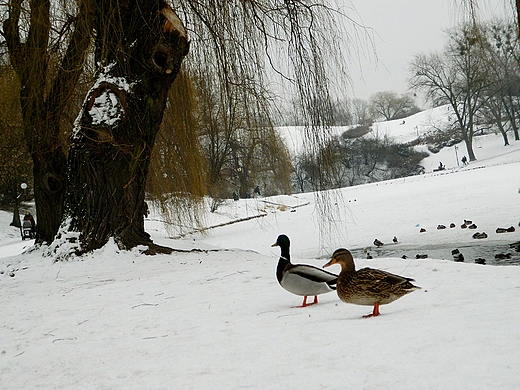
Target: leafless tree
(392, 106)
(361, 112)
(457, 77)
(502, 55)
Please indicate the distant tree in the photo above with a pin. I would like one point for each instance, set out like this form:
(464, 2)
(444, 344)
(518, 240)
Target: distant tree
(300, 179)
(241, 149)
(457, 77)
(361, 112)
(342, 113)
(392, 106)
(309, 175)
(501, 97)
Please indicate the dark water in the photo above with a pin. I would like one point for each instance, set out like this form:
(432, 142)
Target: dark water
(471, 251)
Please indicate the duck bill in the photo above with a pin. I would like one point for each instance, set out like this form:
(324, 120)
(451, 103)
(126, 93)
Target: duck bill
(275, 244)
(331, 262)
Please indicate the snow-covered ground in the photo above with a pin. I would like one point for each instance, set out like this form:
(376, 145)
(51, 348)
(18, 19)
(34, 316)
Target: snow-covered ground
(218, 318)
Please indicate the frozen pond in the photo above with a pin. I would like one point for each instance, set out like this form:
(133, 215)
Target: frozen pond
(479, 249)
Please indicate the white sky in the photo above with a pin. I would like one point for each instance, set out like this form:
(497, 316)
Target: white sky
(404, 28)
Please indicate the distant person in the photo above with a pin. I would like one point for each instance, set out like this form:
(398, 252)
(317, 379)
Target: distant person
(235, 196)
(257, 190)
(464, 160)
(28, 217)
(441, 167)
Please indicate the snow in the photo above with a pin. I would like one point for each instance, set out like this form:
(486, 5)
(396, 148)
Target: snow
(217, 318)
(294, 136)
(409, 129)
(106, 109)
(400, 130)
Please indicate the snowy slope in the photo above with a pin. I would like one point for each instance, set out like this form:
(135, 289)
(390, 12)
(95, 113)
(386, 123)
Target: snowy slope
(486, 148)
(218, 318)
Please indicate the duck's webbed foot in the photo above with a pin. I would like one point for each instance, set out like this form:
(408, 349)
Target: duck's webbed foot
(305, 304)
(375, 312)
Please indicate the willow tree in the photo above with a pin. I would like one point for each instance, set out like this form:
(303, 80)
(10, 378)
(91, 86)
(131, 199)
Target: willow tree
(15, 163)
(46, 88)
(97, 186)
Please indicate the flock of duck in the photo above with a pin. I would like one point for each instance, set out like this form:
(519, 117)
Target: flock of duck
(470, 225)
(457, 256)
(367, 286)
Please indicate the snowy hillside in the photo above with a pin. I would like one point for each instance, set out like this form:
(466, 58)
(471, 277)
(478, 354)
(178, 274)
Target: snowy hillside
(489, 149)
(217, 318)
(401, 130)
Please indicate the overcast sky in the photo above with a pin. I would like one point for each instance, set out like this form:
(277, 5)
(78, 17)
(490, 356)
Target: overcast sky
(404, 28)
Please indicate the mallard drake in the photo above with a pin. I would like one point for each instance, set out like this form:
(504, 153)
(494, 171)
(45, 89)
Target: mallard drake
(302, 279)
(368, 286)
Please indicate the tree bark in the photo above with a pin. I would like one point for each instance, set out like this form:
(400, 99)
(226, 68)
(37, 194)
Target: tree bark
(517, 4)
(140, 46)
(504, 133)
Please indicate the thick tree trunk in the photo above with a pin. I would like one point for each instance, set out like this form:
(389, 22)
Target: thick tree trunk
(141, 51)
(49, 172)
(467, 134)
(503, 132)
(517, 3)
(469, 148)
(515, 130)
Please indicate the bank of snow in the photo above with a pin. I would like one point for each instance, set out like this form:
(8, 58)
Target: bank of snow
(218, 318)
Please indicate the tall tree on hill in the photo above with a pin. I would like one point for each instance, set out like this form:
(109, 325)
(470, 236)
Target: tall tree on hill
(392, 106)
(456, 77)
(502, 56)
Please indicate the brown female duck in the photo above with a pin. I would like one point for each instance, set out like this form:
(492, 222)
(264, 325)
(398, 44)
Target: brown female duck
(368, 286)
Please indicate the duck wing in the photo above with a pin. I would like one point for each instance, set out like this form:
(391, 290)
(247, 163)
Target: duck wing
(377, 276)
(307, 280)
(314, 274)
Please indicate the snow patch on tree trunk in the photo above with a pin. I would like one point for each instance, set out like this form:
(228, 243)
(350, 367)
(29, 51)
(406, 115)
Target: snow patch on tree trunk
(106, 110)
(105, 102)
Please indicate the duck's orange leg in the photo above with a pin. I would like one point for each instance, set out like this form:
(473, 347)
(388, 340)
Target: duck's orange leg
(375, 312)
(305, 304)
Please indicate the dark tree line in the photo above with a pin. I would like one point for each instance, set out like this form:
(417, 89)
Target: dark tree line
(357, 161)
